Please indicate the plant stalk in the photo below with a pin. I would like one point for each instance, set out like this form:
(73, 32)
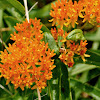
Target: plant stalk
(38, 92)
(26, 10)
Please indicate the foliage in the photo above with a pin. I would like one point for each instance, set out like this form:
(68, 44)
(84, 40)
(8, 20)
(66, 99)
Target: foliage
(71, 81)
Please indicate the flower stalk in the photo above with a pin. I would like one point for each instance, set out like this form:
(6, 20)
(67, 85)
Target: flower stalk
(26, 10)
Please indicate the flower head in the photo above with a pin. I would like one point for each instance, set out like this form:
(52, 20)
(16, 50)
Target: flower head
(29, 59)
(67, 12)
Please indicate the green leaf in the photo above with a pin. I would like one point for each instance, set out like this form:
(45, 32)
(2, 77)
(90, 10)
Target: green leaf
(1, 25)
(91, 60)
(55, 83)
(11, 22)
(48, 38)
(1, 18)
(92, 91)
(76, 35)
(59, 43)
(98, 83)
(44, 28)
(17, 96)
(59, 87)
(12, 12)
(13, 3)
(79, 68)
(92, 74)
(86, 77)
(94, 58)
(65, 83)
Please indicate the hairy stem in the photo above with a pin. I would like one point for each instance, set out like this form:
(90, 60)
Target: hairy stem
(38, 92)
(2, 87)
(26, 10)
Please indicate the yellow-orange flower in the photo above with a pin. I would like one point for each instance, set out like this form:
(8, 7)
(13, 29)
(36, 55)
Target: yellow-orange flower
(72, 49)
(29, 59)
(66, 12)
(56, 33)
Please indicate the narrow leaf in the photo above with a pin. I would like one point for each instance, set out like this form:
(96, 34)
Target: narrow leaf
(55, 83)
(48, 38)
(12, 3)
(79, 68)
(91, 60)
(65, 83)
(93, 91)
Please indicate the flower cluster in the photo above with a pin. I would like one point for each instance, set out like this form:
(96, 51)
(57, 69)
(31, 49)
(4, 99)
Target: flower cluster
(65, 12)
(28, 62)
(56, 33)
(69, 48)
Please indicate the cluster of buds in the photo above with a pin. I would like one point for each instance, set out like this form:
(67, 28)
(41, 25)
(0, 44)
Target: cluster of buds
(28, 62)
(65, 12)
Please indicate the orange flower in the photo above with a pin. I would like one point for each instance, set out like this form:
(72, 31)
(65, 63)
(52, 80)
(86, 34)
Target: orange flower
(60, 32)
(82, 50)
(29, 60)
(66, 12)
(91, 11)
(70, 48)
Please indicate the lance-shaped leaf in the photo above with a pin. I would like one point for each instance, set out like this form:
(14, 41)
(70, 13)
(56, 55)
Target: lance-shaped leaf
(79, 68)
(92, 91)
(59, 41)
(12, 3)
(48, 38)
(59, 87)
(44, 28)
(91, 59)
(55, 83)
(94, 58)
(65, 83)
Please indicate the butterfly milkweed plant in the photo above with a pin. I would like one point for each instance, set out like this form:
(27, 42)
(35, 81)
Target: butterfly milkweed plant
(50, 50)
